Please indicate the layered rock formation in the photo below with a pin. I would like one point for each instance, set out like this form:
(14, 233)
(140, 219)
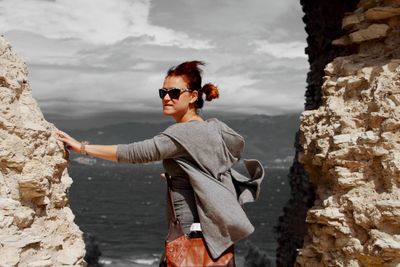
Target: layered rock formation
(36, 224)
(351, 146)
(323, 25)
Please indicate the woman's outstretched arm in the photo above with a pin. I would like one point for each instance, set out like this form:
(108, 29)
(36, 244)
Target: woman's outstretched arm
(107, 152)
(157, 148)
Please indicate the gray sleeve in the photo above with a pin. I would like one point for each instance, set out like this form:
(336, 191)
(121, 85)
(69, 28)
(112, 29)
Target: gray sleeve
(157, 148)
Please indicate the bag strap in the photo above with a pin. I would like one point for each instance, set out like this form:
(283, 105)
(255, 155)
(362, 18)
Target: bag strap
(170, 201)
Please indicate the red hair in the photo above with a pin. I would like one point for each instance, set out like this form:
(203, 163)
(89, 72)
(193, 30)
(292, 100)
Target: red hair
(191, 74)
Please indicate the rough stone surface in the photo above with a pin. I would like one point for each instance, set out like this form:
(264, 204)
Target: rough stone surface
(379, 13)
(352, 20)
(373, 31)
(36, 223)
(323, 21)
(370, 21)
(351, 153)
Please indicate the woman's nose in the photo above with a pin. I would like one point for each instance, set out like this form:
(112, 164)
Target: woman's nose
(166, 97)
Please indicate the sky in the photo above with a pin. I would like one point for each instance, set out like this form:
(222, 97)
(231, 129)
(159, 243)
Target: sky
(88, 56)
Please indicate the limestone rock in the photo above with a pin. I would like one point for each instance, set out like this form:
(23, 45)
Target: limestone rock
(23, 217)
(351, 149)
(379, 13)
(10, 256)
(367, 4)
(342, 41)
(374, 31)
(352, 20)
(19, 240)
(387, 245)
(41, 263)
(36, 224)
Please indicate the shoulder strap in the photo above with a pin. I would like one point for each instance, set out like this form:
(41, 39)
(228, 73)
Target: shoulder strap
(170, 201)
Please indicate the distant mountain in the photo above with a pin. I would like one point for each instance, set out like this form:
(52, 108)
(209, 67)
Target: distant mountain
(268, 138)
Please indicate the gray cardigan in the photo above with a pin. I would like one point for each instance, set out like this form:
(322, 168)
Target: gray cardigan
(219, 190)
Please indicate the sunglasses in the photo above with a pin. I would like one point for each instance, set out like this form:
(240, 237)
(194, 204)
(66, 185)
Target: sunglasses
(173, 93)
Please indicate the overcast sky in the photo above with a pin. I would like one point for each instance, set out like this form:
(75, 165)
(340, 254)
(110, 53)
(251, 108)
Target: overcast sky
(87, 56)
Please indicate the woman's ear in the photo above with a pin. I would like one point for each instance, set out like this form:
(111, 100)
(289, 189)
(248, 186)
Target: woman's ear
(193, 96)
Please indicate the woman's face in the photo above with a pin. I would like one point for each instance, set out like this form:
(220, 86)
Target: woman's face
(177, 107)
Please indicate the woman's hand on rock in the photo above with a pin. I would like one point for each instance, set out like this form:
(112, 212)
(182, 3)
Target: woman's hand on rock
(71, 143)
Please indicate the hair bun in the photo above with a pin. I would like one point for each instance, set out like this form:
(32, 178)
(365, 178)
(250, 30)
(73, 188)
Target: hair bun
(211, 91)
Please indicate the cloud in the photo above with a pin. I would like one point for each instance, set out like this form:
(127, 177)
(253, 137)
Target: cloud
(126, 75)
(93, 21)
(231, 24)
(222, 17)
(258, 65)
(280, 50)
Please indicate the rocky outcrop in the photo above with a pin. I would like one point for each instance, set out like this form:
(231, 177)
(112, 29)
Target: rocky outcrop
(323, 25)
(351, 146)
(36, 224)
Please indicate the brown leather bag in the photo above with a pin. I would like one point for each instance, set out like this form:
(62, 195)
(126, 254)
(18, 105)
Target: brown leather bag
(181, 250)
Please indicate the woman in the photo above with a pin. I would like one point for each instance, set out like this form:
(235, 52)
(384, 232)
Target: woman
(198, 154)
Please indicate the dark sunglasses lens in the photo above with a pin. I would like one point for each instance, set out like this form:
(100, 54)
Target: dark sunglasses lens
(162, 93)
(174, 93)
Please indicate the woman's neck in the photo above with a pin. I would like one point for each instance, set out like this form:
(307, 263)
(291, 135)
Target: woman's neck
(189, 116)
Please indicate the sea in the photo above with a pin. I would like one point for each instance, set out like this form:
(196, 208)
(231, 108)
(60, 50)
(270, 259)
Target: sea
(123, 207)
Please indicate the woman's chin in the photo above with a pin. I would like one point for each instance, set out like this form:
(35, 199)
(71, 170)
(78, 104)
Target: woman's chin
(167, 111)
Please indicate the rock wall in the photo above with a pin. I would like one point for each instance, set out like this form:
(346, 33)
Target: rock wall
(323, 25)
(351, 146)
(36, 224)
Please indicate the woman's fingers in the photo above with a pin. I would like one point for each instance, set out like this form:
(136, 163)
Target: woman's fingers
(61, 136)
(69, 142)
(61, 133)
